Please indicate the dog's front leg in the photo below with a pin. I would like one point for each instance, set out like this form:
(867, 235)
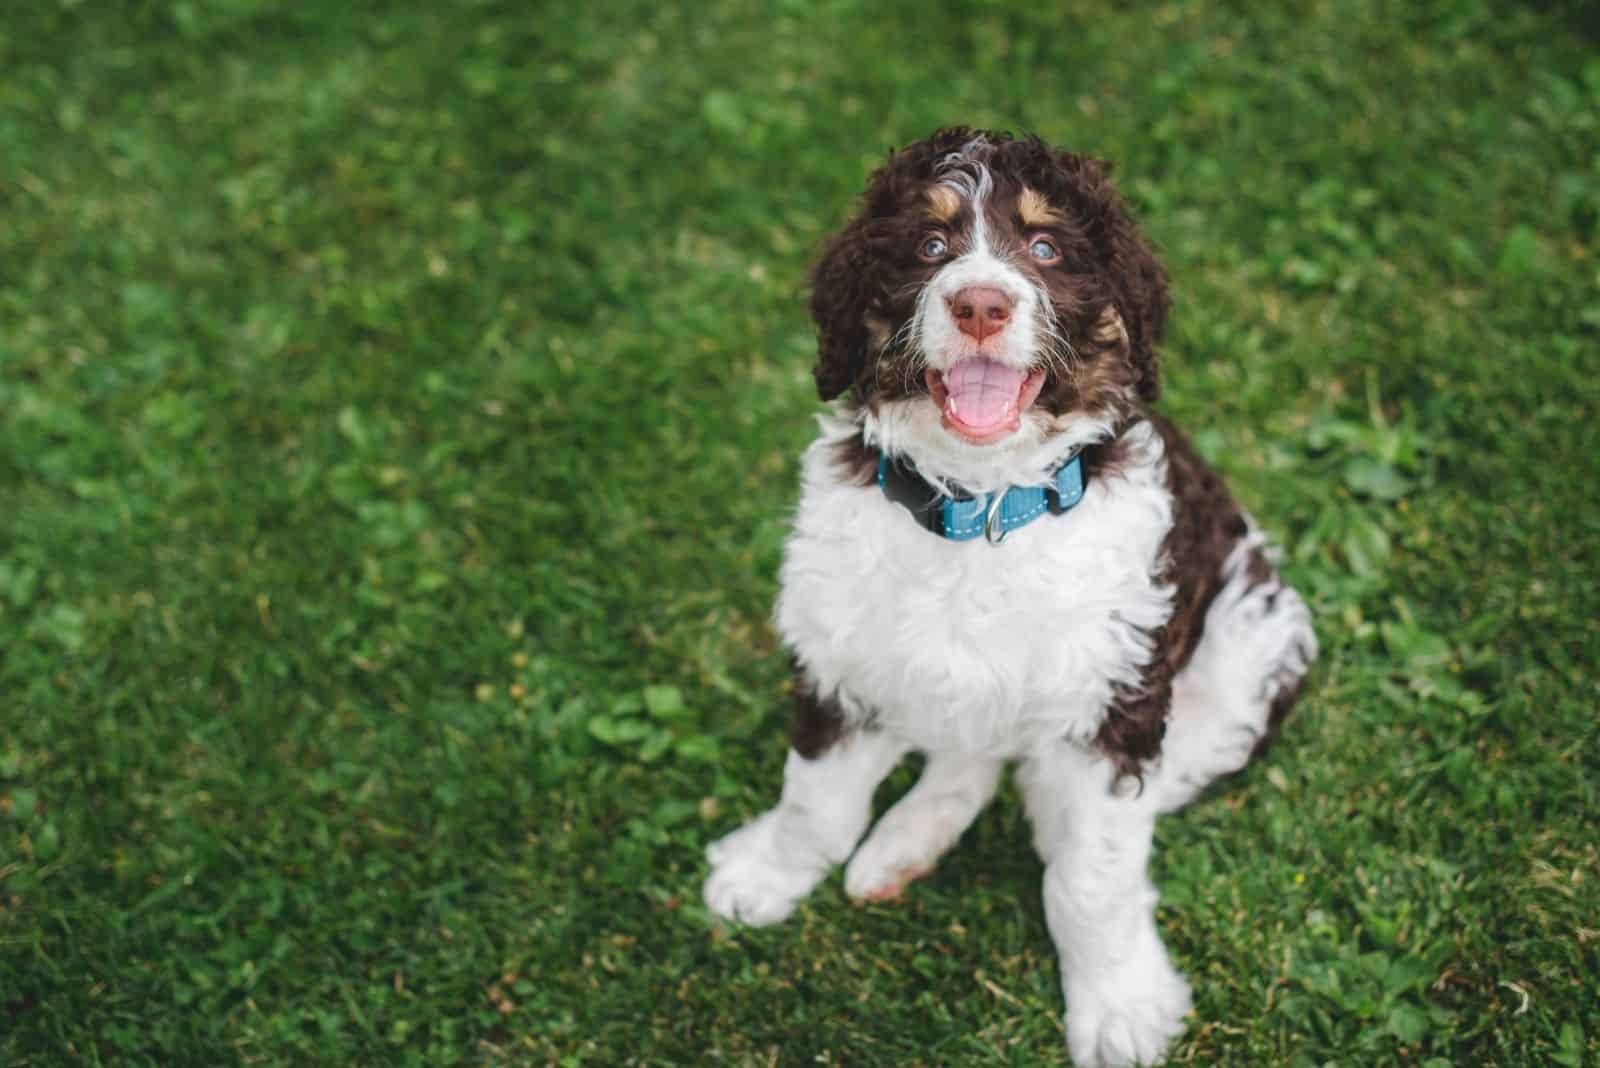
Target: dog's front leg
(1125, 1001)
(760, 872)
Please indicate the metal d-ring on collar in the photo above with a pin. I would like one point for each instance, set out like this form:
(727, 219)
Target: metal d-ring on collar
(963, 518)
(993, 533)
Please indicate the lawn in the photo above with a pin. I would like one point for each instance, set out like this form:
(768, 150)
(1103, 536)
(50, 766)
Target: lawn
(399, 417)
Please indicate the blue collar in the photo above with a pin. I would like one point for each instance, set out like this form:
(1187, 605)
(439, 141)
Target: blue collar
(990, 515)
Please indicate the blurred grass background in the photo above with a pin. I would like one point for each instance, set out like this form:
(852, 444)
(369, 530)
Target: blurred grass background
(399, 412)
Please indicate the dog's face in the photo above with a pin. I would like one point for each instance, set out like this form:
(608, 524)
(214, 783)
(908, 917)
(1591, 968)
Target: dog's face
(990, 292)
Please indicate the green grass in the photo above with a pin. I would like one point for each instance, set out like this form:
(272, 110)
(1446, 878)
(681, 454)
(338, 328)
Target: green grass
(399, 413)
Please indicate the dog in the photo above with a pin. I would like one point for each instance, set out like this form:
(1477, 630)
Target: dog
(1004, 554)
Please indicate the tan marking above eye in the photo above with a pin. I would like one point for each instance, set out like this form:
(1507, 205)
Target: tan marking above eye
(1035, 209)
(944, 202)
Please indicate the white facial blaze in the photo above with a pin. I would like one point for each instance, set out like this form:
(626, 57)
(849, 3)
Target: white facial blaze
(935, 332)
(980, 200)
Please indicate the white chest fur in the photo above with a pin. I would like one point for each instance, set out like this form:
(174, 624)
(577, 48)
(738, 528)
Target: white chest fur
(965, 645)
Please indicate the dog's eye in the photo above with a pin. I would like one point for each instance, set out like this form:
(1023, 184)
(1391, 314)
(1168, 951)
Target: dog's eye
(1044, 250)
(933, 248)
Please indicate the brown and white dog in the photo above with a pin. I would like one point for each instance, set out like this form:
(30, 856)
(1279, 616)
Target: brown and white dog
(990, 318)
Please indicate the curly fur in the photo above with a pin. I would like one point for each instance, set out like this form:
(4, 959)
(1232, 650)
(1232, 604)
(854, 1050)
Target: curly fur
(1123, 655)
(867, 268)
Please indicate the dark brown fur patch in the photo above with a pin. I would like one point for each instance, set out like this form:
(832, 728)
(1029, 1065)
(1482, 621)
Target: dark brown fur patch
(818, 722)
(1277, 711)
(856, 463)
(1098, 378)
(871, 267)
(1207, 526)
(1105, 459)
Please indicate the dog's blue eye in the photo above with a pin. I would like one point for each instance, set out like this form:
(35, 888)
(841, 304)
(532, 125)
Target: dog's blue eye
(1043, 250)
(934, 248)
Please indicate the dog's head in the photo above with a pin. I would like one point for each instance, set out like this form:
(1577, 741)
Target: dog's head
(992, 295)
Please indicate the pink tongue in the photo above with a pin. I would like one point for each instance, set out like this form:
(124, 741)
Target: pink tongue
(983, 392)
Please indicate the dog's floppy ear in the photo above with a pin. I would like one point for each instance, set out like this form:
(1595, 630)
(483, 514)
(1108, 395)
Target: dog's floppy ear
(1135, 278)
(841, 290)
(848, 279)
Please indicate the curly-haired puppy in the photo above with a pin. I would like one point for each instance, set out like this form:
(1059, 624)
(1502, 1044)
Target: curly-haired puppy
(1003, 553)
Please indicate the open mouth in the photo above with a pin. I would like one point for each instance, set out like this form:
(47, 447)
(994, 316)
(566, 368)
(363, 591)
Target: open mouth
(982, 400)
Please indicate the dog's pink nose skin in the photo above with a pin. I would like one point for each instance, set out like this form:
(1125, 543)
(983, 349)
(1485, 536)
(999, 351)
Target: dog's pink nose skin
(981, 311)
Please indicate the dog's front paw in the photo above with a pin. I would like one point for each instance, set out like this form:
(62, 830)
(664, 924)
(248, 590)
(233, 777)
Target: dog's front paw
(750, 881)
(1127, 1018)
